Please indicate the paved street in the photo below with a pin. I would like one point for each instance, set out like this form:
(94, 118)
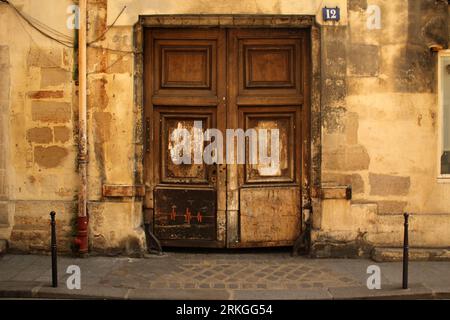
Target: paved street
(182, 275)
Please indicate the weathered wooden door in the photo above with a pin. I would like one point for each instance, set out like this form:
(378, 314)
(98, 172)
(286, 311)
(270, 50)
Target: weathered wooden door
(268, 73)
(224, 79)
(185, 91)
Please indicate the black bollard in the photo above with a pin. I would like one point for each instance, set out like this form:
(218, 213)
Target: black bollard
(405, 252)
(54, 251)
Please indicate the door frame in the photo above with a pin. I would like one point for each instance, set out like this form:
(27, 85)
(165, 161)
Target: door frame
(311, 150)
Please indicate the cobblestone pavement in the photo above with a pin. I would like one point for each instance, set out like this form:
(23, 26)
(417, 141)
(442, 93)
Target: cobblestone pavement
(251, 271)
(260, 275)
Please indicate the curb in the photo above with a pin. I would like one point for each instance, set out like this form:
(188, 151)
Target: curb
(34, 290)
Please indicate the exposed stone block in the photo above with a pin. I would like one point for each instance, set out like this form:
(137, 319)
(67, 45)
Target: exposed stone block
(102, 126)
(25, 240)
(333, 120)
(4, 56)
(98, 98)
(353, 180)
(334, 50)
(54, 77)
(363, 60)
(387, 185)
(4, 78)
(336, 59)
(3, 185)
(48, 111)
(49, 157)
(62, 134)
(26, 211)
(31, 230)
(428, 22)
(335, 92)
(415, 70)
(346, 158)
(324, 247)
(44, 59)
(351, 127)
(4, 214)
(40, 135)
(46, 94)
(336, 192)
(120, 64)
(3, 156)
(391, 207)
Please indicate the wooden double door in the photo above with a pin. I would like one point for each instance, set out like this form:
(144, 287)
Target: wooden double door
(237, 81)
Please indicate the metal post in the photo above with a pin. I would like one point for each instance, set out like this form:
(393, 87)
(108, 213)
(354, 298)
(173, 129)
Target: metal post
(54, 251)
(405, 252)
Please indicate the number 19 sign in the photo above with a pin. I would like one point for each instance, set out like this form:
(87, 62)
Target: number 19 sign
(331, 14)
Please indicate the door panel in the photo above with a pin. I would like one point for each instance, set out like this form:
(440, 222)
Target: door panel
(186, 67)
(282, 170)
(269, 216)
(269, 67)
(184, 96)
(266, 77)
(171, 171)
(184, 214)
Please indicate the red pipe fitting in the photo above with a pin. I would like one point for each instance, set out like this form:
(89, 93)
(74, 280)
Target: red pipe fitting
(81, 240)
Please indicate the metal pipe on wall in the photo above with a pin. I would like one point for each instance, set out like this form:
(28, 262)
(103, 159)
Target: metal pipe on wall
(82, 222)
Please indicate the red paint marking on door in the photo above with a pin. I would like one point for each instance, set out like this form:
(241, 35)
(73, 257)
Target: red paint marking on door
(173, 214)
(188, 216)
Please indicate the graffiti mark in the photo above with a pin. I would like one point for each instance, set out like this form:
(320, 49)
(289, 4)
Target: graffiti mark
(188, 216)
(173, 214)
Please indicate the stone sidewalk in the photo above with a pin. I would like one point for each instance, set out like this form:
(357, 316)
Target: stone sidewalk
(219, 276)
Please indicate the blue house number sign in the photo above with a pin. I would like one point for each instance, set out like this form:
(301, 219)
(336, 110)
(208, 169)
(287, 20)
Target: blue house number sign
(331, 14)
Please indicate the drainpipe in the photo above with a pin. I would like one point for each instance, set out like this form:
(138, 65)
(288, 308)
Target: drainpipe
(81, 240)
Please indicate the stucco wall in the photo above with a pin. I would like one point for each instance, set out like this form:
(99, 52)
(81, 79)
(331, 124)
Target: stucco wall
(40, 156)
(379, 123)
(379, 112)
(42, 110)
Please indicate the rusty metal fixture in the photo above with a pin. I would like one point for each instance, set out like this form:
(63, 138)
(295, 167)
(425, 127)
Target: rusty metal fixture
(405, 252)
(81, 240)
(304, 239)
(153, 244)
(54, 250)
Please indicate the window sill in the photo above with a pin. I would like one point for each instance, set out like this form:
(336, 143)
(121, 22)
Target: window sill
(443, 179)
